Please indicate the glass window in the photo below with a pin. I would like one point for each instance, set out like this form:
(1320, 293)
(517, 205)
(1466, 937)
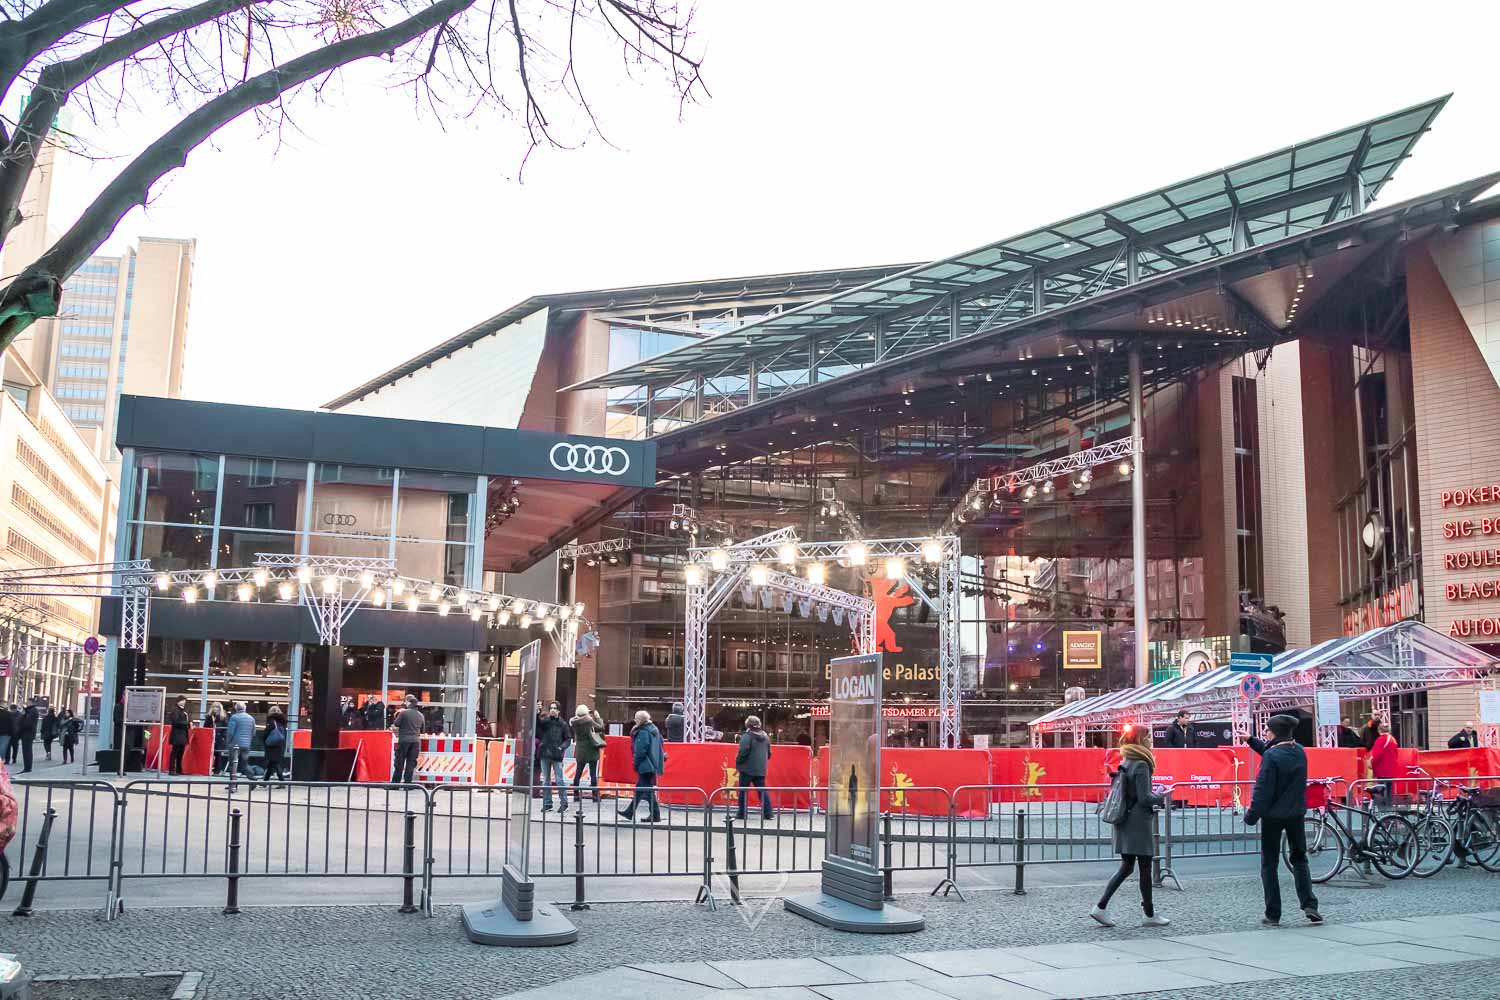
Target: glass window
(434, 561)
(177, 665)
(265, 489)
(257, 673)
(238, 546)
(179, 488)
(434, 506)
(172, 546)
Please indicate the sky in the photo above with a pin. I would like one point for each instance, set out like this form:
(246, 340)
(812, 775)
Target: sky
(838, 134)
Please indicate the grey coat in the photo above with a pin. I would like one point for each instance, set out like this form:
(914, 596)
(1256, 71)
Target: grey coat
(1134, 836)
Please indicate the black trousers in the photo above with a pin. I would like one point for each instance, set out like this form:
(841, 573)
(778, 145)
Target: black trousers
(406, 762)
(645, 791)
(68, 753)
(275, 757)
(26, 753)
(593, 766)
(1271, 831)
(758, 781)
(175, 764)
(1128, 863)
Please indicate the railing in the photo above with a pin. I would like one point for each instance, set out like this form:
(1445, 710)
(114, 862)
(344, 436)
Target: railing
(211, 829)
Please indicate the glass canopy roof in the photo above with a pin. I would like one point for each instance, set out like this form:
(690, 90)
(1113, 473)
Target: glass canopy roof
(1264, 199)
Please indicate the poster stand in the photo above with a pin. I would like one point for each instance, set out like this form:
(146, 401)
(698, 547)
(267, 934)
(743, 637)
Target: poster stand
(853, 894)
(517, 919)
(146, 707)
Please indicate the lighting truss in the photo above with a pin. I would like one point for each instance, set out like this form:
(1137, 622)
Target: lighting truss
(990, 486)
(941, 551)
(603, 548)
(128, 579)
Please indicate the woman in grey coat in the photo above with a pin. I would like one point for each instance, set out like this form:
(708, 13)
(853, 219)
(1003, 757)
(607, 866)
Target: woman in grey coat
(1132, 836)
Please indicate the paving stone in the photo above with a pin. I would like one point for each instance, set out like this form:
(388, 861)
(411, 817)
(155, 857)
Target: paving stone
(1484, 947)
(1421, 954)
(632, 982)
(983, 988)
(1136, 977)
(763, 993)
(1075, 956)
(1157, 949)
(691, 972)
(1326, 961)
(973, 961)
(877, 968)
(783, 972)
(877, 991)
(1220, 970)
(1346, 934)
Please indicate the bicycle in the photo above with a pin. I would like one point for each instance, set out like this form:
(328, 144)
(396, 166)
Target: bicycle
(1389, 842)
(1435, 833)
(1475, 839)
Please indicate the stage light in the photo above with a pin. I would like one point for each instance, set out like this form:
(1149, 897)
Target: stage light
(1047, 488)
(787, 554)
(443, 608)
(398, 586)
(475, 613)
(242, 592)
(932, 551)
(526, 621)
(434, 592)
(210, 581)
(504, 619)
(1029, 493)
(284, 590)
(261, 577)
(304, 573)
(493, 603)
(578, 609)
(895, 568)
(190, 594)
(1040, 646)
(857, 554)
(412, 601)
(163, 582)
(977, 503)
(330, 585)
(564, 612)
(549, 623)
(759, 575)
(693, 575)
(719, 560)
(367, 579)
(815, 573)
(1125, 468)
(377, 597)
(518, 606)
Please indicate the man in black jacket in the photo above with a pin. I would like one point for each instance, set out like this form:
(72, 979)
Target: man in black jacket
(26, 733)
(675, 723)
(1348, 738)
(752, 762)
(7, 731)
(1466, 738)
(553, 737)
(1180, 732)
(1279, 804)
(14, 715)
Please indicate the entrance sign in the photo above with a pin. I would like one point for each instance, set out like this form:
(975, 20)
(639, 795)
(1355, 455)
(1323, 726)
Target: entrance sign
(852, 895)
(1083, 650)
(1251, 663)
(517, 918)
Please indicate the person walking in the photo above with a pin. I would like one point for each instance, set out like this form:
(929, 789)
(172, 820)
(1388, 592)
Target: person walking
(554, 736)
(1279, 804)
(7, 732)
(407, 726)
(239, 732)
(752, 762)
(1465, 739)
(48, 726)
(676, 723)
(1133, 840)
(216, 720)
(182, 728)
(26, 734)
(588, 742)
(1180, 732)
(72, 725)
(650, 761)
(14, 713)
(274, 740)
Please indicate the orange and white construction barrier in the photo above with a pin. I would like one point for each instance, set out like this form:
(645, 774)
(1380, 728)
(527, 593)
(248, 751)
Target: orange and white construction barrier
(445, 759)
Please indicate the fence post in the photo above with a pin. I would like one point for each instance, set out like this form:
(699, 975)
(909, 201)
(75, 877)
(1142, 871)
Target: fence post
(38, 864)
(734, 864)
(232, 904)
(1018, 843)
(1161, 869)
(578, 901)
(409, 864)
(885, 821)
(706, 890)
(429, 808)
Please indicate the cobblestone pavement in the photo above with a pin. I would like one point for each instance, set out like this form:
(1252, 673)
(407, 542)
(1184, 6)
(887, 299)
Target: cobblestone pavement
(348, 952)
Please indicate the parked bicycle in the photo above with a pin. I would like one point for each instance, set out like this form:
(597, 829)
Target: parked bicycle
(1389, 842)
(1462, 826)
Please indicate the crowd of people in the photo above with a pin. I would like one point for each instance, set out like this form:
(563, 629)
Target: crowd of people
(20, 728)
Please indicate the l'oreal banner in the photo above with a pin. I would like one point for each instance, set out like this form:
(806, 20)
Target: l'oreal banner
(854, 758)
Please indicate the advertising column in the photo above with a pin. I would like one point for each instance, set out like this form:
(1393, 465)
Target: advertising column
(517, 918)
(852, 896)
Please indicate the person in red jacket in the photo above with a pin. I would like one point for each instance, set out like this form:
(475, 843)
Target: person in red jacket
(1383, 758)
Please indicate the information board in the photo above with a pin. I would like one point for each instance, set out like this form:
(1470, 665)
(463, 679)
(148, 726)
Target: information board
(1489, 708)
(145, 706)
(854, 759)
(1328, 708)
(518, 845)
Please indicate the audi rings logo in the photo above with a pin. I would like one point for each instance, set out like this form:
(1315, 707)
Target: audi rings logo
(604, 459)
(339, 520)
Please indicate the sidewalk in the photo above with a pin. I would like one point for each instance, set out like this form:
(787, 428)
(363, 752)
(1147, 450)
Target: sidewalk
(1045, 971)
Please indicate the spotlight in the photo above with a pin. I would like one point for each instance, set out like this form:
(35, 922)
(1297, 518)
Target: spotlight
(398, 586)
(1047, 488)
(304, 573)
(857, 554)
(367, 579)
(190, 594)
(434, 592)
(719, 560)
(242, 592)
(564, 612)
(261, 577)
(578, 609)
(163, 582)
(758, 575)
(1029, 493)
(815, 573)
(693, 575)
(330, 585)
(526, 621)
(284, 590)
(475, 613)
(443, 608)
(518, 606)
(787, 554)
(895, 568)
(614, 560)
(1040, 646)
(504, 618)
(1126, 468)
(977, 503)
(493, 603)
(377, 597)
(932, 551)
(412, 601)
(210, 581)
(549, 623)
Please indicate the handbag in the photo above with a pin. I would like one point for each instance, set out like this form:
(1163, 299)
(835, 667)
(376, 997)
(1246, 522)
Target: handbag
(1115, 807)
(275, 737)
(597, 739)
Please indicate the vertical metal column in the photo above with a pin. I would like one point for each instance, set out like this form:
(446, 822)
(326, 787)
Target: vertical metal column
(695, 663)
(949, 658)
(1138, 521)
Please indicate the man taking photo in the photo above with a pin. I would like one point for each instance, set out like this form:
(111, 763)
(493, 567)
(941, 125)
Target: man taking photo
(407, 726)
(1279, 804)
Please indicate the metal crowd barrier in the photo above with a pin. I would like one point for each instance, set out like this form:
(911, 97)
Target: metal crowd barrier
(211, 829)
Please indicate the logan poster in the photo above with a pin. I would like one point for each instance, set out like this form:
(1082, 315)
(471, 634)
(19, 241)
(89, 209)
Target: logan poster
(518, 847)
(854, 758)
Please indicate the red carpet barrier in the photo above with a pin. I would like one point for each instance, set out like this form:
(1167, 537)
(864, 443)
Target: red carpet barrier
(1032, 769)
(199, 758)
(1460, 766)
(708, 766)
(791, 767)
(1208, 776)
(375, 752)
(915, 768)
(302, 739)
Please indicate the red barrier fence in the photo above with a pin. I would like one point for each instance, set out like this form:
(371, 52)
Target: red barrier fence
(932, 769)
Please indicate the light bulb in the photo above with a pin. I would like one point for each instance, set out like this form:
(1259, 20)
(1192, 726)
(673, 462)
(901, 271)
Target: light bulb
(190, 594)
(330, 585)
(564, 612)
(475, 613)
(719, 560)
(367, 579)
(493, 603)
(787, 554)
(759, 575)
(578, 609)
(210, 580)
(518, 606)
(412, 601)
(815, 573)
(1047, 488)
(504, 618)
(526, 621)
(434, 592)
(857, 554)
(932, 551)
(895, 569)
(261, 577)
(398, 586)
(1125, 467)
(242, 592)
(163, 582)
(549, 623)
(377, 597)
(443, 608)
(284, 590)
(694, 576)
(304, 573)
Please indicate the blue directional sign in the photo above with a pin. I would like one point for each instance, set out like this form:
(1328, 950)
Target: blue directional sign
(1251, 663)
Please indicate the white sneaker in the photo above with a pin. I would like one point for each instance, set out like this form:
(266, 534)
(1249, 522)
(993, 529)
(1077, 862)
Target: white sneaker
(1100, 914)
(1156, 921)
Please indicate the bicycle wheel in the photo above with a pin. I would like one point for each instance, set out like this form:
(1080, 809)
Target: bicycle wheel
(1393, 846)
(1434, 845)
(1325, 849)
(1482, 841)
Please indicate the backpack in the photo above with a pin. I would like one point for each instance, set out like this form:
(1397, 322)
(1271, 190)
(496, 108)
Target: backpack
(1115, 806)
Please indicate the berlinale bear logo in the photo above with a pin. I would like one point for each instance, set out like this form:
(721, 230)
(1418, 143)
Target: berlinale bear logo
(888, 595)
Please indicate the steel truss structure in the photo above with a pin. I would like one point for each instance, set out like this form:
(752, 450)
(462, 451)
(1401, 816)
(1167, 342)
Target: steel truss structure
(575, 549)
(129, 580)
(1397, 659)
(736, 563)
(989, 488)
